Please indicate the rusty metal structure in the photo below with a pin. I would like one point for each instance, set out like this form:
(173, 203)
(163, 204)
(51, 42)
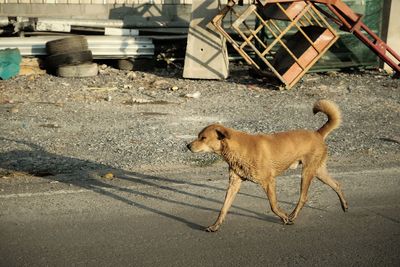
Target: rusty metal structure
(300, 31)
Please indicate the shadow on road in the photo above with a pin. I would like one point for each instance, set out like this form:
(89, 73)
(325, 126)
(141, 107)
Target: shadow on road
(86, 174)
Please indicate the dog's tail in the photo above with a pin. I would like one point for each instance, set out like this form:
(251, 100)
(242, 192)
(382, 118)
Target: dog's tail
(333, 113)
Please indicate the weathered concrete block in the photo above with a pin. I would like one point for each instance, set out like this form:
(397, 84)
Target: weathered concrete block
(206, 54)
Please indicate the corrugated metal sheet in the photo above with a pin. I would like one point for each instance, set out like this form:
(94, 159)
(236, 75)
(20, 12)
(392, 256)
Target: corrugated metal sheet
(101, 46)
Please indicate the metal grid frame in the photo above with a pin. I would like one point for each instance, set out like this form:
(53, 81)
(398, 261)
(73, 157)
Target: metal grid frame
(308, 16)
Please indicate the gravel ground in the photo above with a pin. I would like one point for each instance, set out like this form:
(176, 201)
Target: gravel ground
(142, 120)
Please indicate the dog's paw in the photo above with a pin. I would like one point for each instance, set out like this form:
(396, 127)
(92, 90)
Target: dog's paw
(345, 207)
(291, 218)
(212, 228)
(287, 221)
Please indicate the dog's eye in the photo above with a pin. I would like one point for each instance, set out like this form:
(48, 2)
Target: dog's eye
(202, 138)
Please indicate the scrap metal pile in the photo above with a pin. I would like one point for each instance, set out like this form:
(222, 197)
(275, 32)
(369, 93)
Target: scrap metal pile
(301, 34)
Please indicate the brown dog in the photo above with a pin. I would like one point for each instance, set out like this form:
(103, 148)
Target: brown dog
(260, 158)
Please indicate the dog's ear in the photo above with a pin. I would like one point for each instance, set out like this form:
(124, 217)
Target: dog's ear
(222, 133)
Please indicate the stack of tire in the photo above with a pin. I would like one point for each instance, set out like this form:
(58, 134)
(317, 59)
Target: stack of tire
(70, 57)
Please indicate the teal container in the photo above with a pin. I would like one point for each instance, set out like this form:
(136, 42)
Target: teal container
(10, 61)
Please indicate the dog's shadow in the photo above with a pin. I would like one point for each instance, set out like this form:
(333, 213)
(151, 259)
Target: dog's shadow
(36, 161)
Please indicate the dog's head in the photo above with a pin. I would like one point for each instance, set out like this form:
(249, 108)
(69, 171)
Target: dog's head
(210, 139)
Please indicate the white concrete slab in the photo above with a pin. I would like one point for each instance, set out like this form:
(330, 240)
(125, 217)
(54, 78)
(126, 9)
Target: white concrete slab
(206, 54)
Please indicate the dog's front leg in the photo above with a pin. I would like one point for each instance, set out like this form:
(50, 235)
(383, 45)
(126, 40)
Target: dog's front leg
(269, 187)
(234, 185)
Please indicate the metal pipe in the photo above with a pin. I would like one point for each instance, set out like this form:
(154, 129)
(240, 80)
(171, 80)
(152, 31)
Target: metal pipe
(114, 23)
(95, 23)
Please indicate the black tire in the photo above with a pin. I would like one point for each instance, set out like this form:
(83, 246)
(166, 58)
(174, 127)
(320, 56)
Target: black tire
(125, 64)
(82, 70)
(66, 45)
(66, 59)
(139, 64)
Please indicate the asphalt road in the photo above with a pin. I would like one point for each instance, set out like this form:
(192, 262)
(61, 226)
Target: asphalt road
(157, 220)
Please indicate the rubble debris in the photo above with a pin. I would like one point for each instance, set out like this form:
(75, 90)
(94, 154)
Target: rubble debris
(193, 95)
(50, 125)
(108, 176)
(14, 110)
(31, 66)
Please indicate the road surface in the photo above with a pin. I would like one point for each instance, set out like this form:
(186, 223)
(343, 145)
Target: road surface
(157, 219)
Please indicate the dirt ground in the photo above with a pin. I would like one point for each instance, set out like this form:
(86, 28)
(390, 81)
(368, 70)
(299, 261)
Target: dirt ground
(135, 120)
(109, 153)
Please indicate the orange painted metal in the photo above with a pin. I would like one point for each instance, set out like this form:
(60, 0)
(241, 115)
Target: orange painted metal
(290, 62)
(306, 54)
(272, 11)
(352, 22)
(288, 56)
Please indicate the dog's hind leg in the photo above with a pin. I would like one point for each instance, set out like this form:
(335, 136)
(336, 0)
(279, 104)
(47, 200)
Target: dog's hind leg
(234, 185)
(306, 178)
(323, 176)
(270, 190)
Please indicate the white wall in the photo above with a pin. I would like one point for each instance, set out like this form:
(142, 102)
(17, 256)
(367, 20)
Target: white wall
(393, 36)
(103, 1)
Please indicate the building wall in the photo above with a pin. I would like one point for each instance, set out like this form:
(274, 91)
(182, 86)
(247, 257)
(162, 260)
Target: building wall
(96, 1)
(157, 2)
(100, 9)
(393, 30)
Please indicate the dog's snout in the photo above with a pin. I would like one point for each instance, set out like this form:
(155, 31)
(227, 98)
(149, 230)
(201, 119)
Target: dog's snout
(189, 146)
